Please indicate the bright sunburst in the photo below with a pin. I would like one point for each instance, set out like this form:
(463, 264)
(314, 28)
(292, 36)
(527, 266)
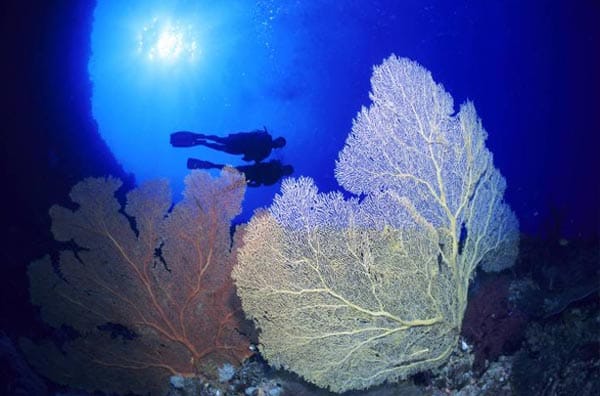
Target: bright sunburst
(167, 41)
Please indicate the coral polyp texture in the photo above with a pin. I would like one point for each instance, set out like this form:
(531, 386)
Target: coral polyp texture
(148, 289)
(350, 293)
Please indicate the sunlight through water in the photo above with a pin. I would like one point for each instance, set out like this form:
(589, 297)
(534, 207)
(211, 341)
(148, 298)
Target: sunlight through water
(168, 41)
(211, 67)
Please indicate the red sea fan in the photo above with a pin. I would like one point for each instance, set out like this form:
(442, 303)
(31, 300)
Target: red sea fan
(149, 292)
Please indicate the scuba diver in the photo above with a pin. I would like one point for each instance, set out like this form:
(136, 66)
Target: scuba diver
(255, 145)
(260, 173)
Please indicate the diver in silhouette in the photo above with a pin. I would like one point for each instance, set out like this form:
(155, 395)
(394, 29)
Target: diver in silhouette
(260, 173)
(255, 145)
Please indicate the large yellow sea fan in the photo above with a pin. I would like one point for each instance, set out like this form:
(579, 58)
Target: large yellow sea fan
(351, 293)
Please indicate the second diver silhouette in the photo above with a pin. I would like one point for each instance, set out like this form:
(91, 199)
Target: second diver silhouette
(260, 173)
(254, 145)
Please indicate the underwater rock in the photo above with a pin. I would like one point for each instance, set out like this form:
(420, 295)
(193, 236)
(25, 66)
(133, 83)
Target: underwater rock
(560, 357)
(555, 276)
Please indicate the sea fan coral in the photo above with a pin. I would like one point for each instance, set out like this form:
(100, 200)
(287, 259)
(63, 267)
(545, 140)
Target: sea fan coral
(351, 293)
(148, 290)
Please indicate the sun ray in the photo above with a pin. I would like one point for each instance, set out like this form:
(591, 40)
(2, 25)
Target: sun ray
(163, 41)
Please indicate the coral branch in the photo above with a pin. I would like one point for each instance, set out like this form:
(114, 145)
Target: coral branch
(150, 299)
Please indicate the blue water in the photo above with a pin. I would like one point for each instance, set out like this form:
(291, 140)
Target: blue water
(302, 69)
